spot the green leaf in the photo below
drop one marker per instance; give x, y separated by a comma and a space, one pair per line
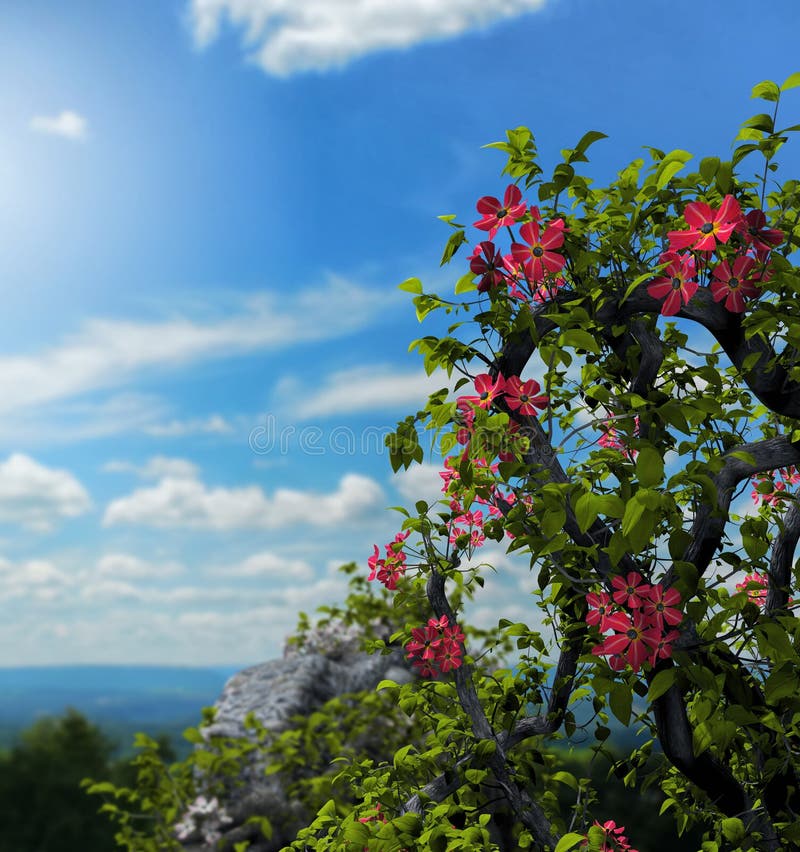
649, 467
569, 841
766, 90
702, 738
762, 122
661, 683
670, 166
733, 829
585, 511
588, 138
465, 284
485, 749
579, 339
102, 787
411, 285
708, 168
782, 683
791, 82
634, 509
621, 701
566, 778
456, 240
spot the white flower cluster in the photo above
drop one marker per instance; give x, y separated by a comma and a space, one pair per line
203, 815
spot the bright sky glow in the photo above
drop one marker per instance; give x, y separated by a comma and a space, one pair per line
207, 206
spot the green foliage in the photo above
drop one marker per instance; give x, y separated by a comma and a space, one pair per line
653, 411
42, 805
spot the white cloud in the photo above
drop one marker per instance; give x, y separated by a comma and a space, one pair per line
213, 425
36, 497
268, 564
125, 566
177, 502
362, 389
419, 482
107, 353
67, 124
287, 36
31, 579
156, 467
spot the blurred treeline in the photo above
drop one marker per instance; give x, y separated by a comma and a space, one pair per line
43, 808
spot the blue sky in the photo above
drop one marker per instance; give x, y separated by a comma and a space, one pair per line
206, 208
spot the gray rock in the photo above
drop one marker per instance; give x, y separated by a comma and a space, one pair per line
299, 683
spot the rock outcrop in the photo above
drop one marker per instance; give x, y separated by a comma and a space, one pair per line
323, 667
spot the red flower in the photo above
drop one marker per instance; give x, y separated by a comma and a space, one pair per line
547, 290
425, 668
537, 257
660, 606
757, 595
497, 215
707, 226
630, 590
524, 396
449, 657
770, 491
663, 648
753, 228
635, 643
487, 390
452, 633
390, 569
424, 642
491, 266
734, 286
436, 647
678, 282
601, 610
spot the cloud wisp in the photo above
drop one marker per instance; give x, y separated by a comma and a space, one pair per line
107, 353
67, 124
373, 388
285, 38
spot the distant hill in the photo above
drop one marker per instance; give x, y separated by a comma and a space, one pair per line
121, 699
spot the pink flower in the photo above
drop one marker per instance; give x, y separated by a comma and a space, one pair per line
496, 215
631, 590
759, 595
635, 642
660, 604
487, 390
734, 286
544, 292
491, 266
610, 439
391, 568
663, 648
436, 647
537, 257
613, 840
466, 420
678, 282
601, 609
449, 657
753, 228
707, 226
772, 491
424, 642
524, 397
